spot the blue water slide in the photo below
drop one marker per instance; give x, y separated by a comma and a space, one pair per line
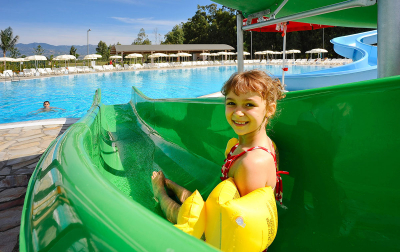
358, 47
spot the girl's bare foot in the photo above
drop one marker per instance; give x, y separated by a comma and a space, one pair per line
158, 182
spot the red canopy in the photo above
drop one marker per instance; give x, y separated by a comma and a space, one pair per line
291, 26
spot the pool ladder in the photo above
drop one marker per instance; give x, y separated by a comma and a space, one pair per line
13, 77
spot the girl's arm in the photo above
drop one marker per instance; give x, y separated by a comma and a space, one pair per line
256, 170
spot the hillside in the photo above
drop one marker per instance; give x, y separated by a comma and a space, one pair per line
28, 49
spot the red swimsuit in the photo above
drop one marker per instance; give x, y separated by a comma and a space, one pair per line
232, 158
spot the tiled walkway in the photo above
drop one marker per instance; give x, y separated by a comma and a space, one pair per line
21, 146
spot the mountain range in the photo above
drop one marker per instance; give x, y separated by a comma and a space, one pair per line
28, 49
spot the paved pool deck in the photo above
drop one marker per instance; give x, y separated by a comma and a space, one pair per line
21, 146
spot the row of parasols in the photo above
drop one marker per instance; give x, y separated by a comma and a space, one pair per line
316, 50
35, 58
66, 57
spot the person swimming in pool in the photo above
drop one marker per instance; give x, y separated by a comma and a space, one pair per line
47, 108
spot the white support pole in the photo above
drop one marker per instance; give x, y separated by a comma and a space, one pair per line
284, 56
388, 38
239, 25
251, 44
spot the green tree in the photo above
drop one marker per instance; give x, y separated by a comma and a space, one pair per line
211, 25
196, 30
175, 36
103, 50
8, 41
142, 38
222, 25
72, 51
50, 58
38, 50
15, 53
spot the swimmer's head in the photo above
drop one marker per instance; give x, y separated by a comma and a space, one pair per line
46, 104
269, 89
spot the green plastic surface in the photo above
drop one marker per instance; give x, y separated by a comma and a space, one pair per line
362, 17
91, 191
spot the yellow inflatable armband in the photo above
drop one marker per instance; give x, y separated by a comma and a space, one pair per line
192, 215
232, 142
237, 223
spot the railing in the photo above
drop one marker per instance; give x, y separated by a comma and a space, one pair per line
15, 76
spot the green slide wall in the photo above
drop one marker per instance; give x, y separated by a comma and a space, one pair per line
92, 188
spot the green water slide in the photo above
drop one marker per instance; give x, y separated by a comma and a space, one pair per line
91, 190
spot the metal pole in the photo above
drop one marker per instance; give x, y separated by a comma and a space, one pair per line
239, 25
251, 43
388, 40
323, 39
88, 41
284, 56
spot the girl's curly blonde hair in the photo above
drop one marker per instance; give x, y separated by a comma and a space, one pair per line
270, 89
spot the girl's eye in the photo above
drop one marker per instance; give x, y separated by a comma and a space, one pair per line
230, 103
249, 105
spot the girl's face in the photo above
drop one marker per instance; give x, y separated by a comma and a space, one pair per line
245, 113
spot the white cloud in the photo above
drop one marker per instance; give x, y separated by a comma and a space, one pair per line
77, 35
135, 2
148, 21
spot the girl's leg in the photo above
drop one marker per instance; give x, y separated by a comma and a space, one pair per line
168, 205
181, 192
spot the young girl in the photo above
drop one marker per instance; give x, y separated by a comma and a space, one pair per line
250, 101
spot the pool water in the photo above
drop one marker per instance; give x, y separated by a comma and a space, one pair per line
19, 101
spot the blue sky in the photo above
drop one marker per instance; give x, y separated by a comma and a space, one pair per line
66, 22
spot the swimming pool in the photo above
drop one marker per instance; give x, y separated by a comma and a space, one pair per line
18, 100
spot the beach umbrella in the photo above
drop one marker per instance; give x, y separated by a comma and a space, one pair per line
89, 57
172, 55
310, 53
65, 57
205, 54
182, 54
92, 57
268, 52
19, 60
214, 54
4, 59
222, 53
188, 55
97, 56
155, 55
259, 53
35, 58
134, 56
163, 55
319, 51
245, 54
293, 51
284, 27
229, 54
